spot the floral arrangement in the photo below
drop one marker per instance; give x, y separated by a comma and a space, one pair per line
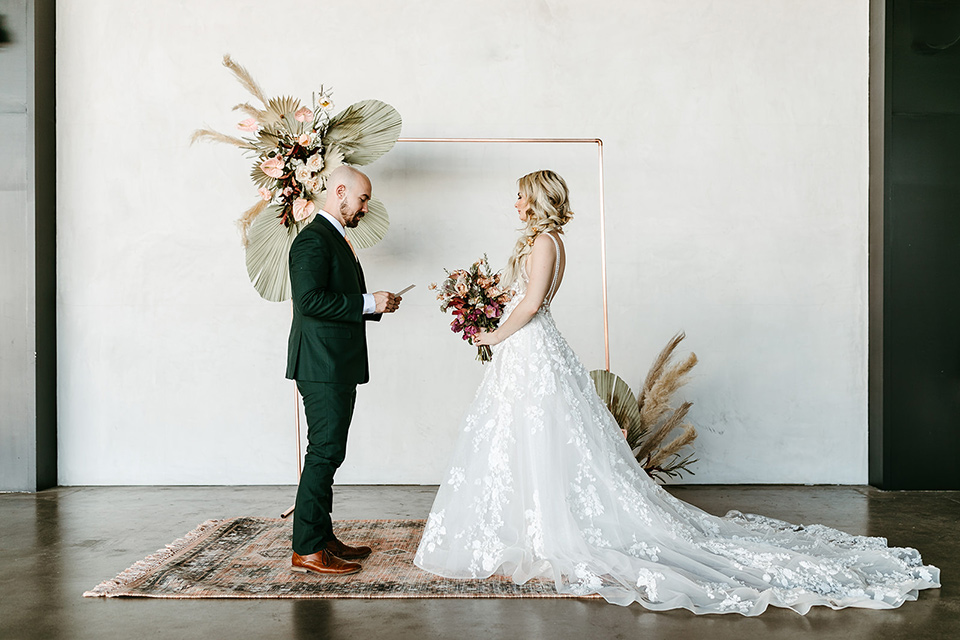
654, 429
295, 148
292, 170
477, 301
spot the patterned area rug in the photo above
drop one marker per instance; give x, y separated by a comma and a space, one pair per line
250, 558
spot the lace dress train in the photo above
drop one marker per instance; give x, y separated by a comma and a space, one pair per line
543, 484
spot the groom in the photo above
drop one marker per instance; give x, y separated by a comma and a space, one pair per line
327, 356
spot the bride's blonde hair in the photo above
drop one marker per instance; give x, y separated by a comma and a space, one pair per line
549, 202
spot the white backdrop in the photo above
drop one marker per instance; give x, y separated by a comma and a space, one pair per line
736, 184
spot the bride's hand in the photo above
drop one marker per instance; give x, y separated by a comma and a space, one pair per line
485, 338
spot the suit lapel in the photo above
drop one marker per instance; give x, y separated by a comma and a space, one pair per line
345, 251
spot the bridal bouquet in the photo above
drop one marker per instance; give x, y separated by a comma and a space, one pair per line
477, 301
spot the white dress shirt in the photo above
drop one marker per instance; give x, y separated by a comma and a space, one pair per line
369, 304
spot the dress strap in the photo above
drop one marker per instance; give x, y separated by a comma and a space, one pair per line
556, 270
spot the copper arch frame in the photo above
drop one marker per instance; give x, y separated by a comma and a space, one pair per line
603, 249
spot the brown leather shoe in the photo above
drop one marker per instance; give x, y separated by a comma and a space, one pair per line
347, 552
324, 563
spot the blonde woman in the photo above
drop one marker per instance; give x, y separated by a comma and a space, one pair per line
543, 484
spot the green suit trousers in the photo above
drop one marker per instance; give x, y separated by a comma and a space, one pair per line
329, 408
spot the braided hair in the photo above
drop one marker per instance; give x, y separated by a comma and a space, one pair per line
549, 201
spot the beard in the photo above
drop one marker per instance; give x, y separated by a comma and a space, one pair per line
350, 218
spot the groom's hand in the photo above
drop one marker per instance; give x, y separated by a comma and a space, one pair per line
386, 301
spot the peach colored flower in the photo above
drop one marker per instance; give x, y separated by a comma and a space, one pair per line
462, 288
303, 114
287, 191
304, 139
265, 193
273, 167
302, 208
250, 124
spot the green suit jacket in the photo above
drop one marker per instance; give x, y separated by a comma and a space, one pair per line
328, 341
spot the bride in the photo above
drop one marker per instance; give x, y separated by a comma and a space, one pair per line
543, 483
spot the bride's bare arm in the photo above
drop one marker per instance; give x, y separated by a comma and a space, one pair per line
542, 260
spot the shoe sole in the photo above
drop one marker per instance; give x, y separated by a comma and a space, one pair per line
325, 573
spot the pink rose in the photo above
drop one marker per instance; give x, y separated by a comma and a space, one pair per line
265, 193
302, 208
304, 139
287, 191
303, 114
250, 124
273, 167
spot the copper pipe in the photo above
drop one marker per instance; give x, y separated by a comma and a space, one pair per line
603, 234
558, 140
603, 258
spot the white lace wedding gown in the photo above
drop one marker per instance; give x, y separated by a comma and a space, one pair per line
542, 483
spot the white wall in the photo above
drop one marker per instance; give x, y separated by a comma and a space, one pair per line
736, 184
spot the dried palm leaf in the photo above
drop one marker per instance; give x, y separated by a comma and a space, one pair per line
259, 178
618, 397
245, 78
268, 250
279, 107
373, 226
364, 131
266, 141
210, 135
332, 158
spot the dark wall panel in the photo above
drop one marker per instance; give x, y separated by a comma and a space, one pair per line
921, 248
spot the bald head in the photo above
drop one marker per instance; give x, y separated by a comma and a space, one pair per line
348, 192
346, 176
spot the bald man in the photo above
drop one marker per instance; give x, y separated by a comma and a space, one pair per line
327, 356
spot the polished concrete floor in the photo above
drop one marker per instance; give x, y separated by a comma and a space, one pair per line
56, 544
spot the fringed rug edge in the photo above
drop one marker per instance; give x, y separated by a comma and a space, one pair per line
123, 580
